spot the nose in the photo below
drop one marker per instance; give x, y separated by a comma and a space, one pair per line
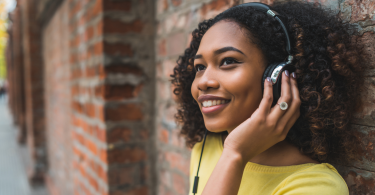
208, 80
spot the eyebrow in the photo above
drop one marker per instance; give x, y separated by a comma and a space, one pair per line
222, 50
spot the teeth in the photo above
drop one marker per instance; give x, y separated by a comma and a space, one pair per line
209, 103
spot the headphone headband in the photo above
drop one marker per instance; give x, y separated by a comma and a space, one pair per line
266, 9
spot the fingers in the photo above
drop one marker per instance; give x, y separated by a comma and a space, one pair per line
286, 96
266, 103
292, 115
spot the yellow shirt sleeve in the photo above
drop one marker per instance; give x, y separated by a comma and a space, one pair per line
321, 180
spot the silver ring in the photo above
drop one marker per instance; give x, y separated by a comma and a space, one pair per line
283, 105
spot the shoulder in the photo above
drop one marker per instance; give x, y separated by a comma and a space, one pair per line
319, 179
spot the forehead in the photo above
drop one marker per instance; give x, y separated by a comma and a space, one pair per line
223, 34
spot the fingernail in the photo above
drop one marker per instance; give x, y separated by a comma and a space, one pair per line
294, 75
269, 79
286, 73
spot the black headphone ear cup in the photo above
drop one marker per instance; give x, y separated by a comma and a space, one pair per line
268, 73
277, 86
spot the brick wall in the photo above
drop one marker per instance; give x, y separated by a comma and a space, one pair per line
99, 97
34, 89
58, 111
109, 107
16, 72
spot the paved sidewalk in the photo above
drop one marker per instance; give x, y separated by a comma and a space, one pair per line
13, 179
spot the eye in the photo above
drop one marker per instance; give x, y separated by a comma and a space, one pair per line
199, 67
227, 61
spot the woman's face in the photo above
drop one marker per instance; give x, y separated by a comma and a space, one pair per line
227, 85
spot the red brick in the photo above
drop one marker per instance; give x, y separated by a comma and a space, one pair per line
144, 135
91, 146
159, 70
118, 49
101, 173
83, 188
89, 33
89, 110
214, 6
162, 6
79, 154
74, 90
114, 26
164, 190
168, 67
178, 183
94, 71
177, 139
176, 2
77, 107
368, 39
122, 176
124, 69
176, 161
365, 113
76, 8
127, 155
80, 139
97, 48
117, 5
103, 155
119, 134
162, 48
362, 9
359, 181
164, 136
101, 113
99, 28
76, 73
93, 182
94, 10
136, 191
118, 92
176, 44
100, 134
131, 112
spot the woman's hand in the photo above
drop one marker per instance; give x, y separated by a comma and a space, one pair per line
267, 125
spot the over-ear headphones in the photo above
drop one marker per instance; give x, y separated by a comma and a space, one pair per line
274, 71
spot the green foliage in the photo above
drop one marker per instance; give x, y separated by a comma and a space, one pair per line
3, 38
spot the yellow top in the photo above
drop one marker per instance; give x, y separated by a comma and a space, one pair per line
309, 178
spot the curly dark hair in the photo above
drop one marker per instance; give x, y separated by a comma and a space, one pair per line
328, 60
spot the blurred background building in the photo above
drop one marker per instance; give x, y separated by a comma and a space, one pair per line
90, 94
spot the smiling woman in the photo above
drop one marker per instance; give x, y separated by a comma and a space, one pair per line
253, 147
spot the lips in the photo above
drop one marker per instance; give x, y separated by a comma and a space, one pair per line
202, 98
212, 104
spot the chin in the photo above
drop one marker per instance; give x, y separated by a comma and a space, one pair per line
215, 127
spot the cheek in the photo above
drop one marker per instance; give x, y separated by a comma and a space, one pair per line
247, 94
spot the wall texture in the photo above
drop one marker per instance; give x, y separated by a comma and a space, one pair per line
105, 122
58, 111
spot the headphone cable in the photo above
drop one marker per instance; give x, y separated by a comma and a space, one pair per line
195, 187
